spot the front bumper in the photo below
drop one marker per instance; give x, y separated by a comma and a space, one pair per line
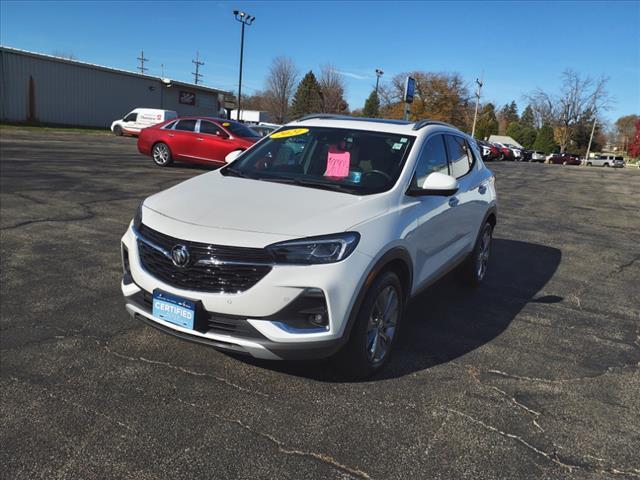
256, 309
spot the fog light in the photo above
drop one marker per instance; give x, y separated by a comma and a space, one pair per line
318, 319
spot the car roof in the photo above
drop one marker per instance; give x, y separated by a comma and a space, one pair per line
401, 127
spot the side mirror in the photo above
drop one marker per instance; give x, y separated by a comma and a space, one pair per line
232, 156
438, 184
221, 134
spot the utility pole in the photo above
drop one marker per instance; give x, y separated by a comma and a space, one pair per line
475, 115
142, 68
244, 19
379, 73
593, 129
197, 75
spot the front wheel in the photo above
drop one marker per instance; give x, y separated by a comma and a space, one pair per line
376, 328
161, 154
117, 130
606, 165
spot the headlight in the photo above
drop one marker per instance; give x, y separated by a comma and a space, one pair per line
315, 250
137, 220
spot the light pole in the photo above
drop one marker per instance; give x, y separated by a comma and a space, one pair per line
244, 19
379, 73
475, 115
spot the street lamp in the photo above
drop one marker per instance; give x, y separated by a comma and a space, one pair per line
244, 19
379, 73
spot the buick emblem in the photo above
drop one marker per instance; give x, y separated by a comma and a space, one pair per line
180, 255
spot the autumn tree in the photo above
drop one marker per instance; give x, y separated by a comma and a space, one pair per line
634, 147
565, 109
625, 129
333, 88
280, 83
438, 96
487, 123
308, 97
371, 106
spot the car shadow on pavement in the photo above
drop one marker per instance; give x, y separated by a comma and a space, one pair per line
449, 320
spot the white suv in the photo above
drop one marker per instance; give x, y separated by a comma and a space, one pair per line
313, 240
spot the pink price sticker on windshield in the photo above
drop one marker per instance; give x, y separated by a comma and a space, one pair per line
337, 163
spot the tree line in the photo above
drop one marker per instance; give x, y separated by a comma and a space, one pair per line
561, 120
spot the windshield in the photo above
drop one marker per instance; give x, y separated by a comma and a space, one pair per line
351, 161
240, 130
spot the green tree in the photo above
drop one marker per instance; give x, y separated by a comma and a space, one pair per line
528, 118
522, 134
487, 123
371, 106
308, 97
545, 141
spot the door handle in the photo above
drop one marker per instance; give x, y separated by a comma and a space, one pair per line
453, 201
199, 139
171, 135
482, 189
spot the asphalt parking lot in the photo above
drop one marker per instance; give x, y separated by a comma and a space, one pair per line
534, 375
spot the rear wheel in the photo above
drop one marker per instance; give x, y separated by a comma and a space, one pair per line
475, 268
117, 130
161, 154
376, 328
589, 164
606, 164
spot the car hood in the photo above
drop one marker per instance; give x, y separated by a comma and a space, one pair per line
224, 202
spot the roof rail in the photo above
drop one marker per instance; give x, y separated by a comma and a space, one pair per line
423, 123
332, 116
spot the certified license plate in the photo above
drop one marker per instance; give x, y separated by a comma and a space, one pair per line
173, 309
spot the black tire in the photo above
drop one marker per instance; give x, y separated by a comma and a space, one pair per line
360, 358
117, 131
589, 164
606, 165
161, 154
472, 271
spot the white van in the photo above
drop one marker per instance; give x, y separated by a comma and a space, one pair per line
140, 118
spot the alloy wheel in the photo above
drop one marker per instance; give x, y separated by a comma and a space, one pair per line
382, 326
160, 154
482, 258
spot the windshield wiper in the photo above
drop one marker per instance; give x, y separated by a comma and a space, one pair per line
234, 172
324, 185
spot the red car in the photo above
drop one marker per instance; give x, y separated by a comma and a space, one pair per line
200, 140
565, 159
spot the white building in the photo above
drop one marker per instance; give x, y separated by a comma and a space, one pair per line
505, 140
39, 88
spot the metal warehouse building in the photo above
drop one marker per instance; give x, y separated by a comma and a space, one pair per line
46, 89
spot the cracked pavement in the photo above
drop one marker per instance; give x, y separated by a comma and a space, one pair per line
534, 375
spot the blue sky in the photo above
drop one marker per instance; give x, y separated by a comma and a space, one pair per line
517, 46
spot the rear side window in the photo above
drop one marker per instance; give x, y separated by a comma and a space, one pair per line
460, 157
209, 127
186, 125
169, 126
433, 158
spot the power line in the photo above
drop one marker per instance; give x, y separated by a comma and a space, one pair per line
142, 68
197, 75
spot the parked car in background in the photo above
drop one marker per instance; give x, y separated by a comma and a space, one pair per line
200, 140
263, 130
565, 159
285, 255
517, 152
139, 118
536, 156
507, 153
606, 161
488, 151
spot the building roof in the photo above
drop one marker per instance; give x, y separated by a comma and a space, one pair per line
504, 139
44, 56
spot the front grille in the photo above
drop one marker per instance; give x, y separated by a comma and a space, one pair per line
214, 278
